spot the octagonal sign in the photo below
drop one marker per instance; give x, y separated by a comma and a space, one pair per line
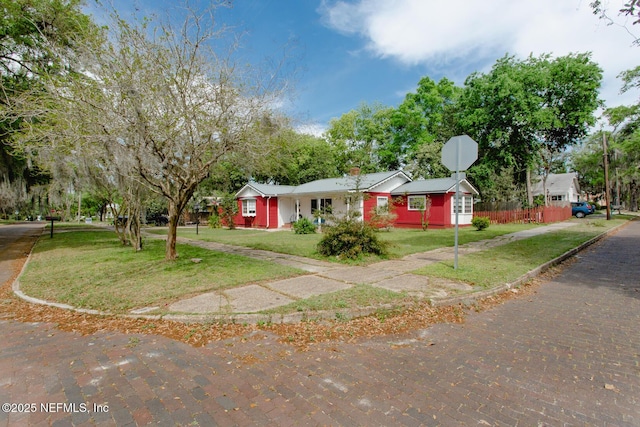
459, 153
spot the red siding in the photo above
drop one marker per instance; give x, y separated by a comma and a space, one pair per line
440, 205
371, 202
260, 220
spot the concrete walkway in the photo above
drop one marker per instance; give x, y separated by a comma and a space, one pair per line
325, 277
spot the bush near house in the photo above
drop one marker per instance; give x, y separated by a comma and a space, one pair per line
480, 222
351, 239
304, 226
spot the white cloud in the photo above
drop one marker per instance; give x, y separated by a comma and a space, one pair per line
436, 33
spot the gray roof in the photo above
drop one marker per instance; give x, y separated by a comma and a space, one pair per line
338, 185
557, 183
368, 182
269, 189
438, 185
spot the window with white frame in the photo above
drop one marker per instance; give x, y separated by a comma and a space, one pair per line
556, 198
417, 203
465, 203
249, 207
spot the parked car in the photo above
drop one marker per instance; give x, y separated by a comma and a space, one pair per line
581, 209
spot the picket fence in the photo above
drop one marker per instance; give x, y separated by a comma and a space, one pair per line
541, 214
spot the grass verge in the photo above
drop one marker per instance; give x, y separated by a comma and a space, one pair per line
91, 269
504, 264
357, 296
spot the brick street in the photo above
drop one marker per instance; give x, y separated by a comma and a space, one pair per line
567, 355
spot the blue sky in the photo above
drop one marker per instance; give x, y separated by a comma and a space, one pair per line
353, 51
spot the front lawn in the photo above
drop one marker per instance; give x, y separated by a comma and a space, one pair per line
91, 269
403, 241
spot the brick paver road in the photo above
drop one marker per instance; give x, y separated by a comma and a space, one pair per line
566, 355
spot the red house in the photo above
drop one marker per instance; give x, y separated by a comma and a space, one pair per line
277, 206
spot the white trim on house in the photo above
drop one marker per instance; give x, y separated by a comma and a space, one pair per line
416, 207
249, 207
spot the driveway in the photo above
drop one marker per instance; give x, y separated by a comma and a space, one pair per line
568, 354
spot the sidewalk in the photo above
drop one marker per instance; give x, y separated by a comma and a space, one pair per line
243, 302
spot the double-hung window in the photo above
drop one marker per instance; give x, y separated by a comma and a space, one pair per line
417, 203
249, 207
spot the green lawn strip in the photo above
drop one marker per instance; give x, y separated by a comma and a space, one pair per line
91, 269
403, 241
354, 297
504, 264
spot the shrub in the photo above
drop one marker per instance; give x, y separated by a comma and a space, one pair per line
351, 239
304, 226
480, 222
214, 221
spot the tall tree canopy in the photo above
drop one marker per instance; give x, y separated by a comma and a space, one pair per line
358, 135
524, 110
421, 124
37, 38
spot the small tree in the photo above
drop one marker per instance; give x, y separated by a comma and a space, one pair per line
228, 210
383, 217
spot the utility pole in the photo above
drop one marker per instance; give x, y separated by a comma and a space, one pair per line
606, 175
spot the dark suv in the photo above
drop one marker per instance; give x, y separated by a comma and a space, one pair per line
581, 209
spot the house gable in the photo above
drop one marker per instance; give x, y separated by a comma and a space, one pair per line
560, 186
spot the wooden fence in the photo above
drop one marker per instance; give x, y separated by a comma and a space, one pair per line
541, 214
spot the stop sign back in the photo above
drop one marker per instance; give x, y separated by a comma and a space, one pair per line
459, 153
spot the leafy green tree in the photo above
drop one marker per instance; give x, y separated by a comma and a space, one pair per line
421, 124
358, 135
625, 153
292, 158
521, 110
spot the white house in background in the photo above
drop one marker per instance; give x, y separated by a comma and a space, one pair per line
561, 187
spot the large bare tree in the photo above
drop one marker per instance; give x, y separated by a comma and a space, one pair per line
167, 102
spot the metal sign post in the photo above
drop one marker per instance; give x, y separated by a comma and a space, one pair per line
458, 154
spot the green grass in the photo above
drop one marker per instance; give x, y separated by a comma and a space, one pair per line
403, 241
357, 296
91, 269
504, 264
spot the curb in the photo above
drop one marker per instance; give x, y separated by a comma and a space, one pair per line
255, 318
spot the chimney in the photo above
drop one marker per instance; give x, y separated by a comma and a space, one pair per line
354, 171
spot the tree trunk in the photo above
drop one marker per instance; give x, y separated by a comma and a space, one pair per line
634, 191
133, 227
529, 191
174, 217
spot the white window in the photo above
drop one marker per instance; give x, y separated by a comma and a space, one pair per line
417, 203
556, 198
383, 201
465, 203
468, 204
249, 207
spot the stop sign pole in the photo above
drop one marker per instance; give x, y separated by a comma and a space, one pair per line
458, 154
